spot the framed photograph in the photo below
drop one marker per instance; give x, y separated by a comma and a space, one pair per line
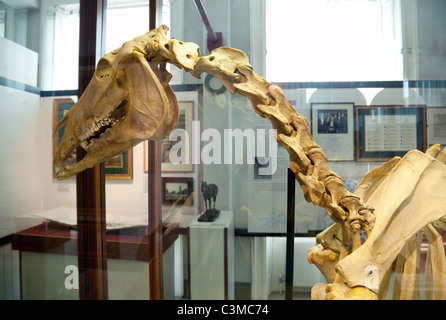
177, 190
333, 129
384, 132
436, 126
119, 167
176, 154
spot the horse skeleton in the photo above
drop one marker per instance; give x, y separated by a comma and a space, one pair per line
129, 100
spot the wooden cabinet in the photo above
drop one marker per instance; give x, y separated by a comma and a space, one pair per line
46, 250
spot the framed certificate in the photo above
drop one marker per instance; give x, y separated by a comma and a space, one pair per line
333, 129
384, 132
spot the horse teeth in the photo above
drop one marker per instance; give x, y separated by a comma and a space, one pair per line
84, 145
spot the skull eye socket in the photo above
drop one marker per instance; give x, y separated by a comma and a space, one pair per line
104, 69
121, 81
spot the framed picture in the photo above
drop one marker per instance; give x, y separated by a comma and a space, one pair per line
177, 190
176, 155
333, 129
60, 108
436, 125
384, 132
119, 167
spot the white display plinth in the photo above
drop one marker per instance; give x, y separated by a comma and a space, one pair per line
211, 258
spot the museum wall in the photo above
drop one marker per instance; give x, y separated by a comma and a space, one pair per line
21, 162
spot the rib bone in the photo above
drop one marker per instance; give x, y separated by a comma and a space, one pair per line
403, 211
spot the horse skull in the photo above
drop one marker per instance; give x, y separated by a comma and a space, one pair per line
128, 100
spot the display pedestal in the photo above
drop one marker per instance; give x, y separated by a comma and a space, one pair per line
211, 258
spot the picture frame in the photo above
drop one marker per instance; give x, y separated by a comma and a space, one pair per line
60, 108
176, 190
436, 128
332, 126
186, 116
119, 167
386, 131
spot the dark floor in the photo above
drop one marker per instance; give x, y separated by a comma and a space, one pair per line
297, 295
243, 292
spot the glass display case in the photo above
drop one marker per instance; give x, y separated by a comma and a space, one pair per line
203, 202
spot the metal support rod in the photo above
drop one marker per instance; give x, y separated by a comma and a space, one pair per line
207, 23
289, 279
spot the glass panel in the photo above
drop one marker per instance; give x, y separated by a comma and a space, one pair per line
233, 149
126, 183
37, 212
361, 73
125, 20
362, 43
2, 22
345, 63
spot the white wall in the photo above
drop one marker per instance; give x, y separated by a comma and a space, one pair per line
21, 160
18, 63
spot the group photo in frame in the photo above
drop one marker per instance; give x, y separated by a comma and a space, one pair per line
186, 116
332, 126
384, 131
119, 167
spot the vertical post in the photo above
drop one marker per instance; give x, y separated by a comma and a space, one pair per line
289, 279
155, 208
90, 184
155, 221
